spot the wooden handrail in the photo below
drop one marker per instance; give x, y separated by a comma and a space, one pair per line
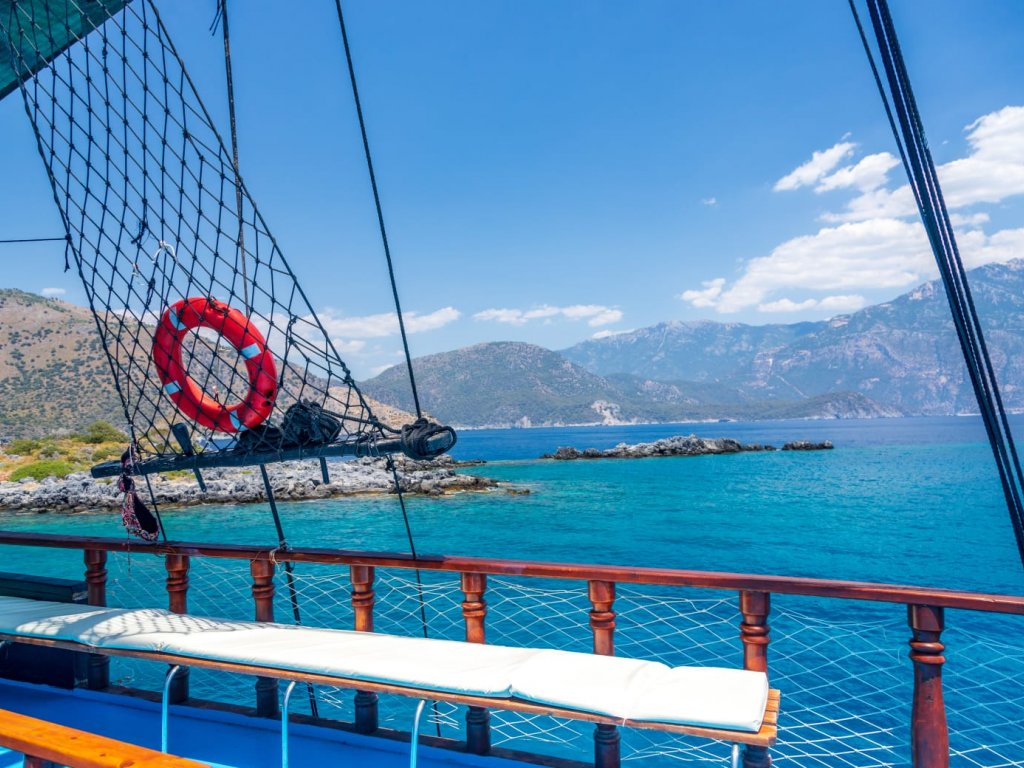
59, 744
787, 585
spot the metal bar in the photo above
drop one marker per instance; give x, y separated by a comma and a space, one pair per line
165, 705
284, 723
414, 739
212, 459
735, 756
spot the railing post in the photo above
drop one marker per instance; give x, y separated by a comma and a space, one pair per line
929, 733
98, 674
474, 612
177, 598
362, 604
754, 632
607, 750
263, 597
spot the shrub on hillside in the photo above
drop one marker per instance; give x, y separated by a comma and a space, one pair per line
102, 432
102, 454
39, 470
22, 446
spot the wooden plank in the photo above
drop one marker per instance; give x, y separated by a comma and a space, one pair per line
764, 737
79, 749
790, 585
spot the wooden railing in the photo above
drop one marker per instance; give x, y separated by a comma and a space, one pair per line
46, 745
925, 607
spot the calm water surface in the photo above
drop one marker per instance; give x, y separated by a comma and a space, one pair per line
898, 500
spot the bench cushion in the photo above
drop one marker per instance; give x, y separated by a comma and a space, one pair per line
630, 689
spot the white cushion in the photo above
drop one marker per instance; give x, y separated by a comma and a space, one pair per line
629, 689
56, 621
415, 662
711, 697
583, 681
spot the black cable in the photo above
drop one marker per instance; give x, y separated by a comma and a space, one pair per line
380, 212
34, 240
289, 572
419, 579
924, 181
222, 17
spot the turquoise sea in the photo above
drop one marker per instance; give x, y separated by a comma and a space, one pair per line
898, 500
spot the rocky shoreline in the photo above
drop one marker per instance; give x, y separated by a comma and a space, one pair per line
291, 481
680, 446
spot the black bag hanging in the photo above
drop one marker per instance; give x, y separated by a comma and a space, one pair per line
307, 423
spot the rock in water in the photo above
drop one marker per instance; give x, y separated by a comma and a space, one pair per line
679, 446
804, 445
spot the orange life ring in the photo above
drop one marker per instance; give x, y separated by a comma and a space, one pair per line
200, 312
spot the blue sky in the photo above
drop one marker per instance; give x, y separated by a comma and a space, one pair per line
555, 170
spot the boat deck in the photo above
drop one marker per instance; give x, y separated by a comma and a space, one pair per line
224, 739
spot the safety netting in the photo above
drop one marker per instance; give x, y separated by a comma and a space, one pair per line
213, 346
842, 665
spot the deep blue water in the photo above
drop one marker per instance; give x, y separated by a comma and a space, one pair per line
898, 500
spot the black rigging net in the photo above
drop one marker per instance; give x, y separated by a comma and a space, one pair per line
215, 350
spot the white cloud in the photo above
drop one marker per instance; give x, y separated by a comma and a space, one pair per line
847, 303
606, 333
992, 171
348, 347
829, 303
787, 305
51, 292
386, 324
881, 253
509, 316
709, 201
968, 220
707, 295
816, 168
869, 173
595, 314
977, 248
875, 240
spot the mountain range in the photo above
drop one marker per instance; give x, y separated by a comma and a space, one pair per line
891, 359
54, 375
896, 358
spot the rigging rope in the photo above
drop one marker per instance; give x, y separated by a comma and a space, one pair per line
222, 17
924, 181
380, 211
34, 240
289, 572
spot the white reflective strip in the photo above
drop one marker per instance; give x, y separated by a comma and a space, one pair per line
251, 351
175, 320
172, 388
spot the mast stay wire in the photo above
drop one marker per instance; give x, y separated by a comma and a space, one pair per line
380, 211
924, 181
401, 321
222, 18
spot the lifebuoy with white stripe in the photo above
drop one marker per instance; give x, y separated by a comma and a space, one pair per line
201, 312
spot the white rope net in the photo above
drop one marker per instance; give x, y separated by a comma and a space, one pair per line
842, 666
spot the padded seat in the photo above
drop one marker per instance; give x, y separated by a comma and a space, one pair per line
627, 689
